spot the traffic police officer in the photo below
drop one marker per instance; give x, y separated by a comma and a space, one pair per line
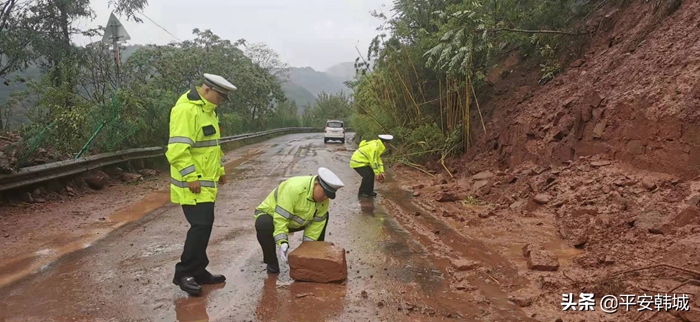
298, 203
368, 163
196, 170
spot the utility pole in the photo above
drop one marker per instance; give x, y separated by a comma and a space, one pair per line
114, 33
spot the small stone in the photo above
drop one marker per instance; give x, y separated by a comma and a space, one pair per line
689, 215
543, 198
463, 265
577, 63
7, 235
97, 180
694, 201
69, 189
598, 164
443, 196
648, 184
484, 175
146, 173
485, 215
364, 294
27, 197
131, 177
416, 194
542, 260
304, 295
528, 248
40, 200
464, 286
524, 297
447, 214
609, 260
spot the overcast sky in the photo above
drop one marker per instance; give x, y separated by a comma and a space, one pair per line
316, 33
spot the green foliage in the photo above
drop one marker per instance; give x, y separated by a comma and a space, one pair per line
152, 79
328, 107
422, 83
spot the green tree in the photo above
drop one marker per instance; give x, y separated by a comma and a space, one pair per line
425, 76
328, 107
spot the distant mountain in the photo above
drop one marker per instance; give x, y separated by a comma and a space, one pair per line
299, 95
314, 81
342, 72
303, 86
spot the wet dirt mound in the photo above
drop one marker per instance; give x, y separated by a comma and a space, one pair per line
633, 95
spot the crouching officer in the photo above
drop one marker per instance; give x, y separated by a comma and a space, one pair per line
367, 162
196, 171
298, 203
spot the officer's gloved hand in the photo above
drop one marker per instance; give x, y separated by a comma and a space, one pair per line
284, 248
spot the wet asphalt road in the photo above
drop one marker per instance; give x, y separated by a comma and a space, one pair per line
127, 275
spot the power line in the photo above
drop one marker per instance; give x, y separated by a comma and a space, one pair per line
159, 26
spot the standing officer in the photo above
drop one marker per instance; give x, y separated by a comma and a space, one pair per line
298, 203
367, 162
194, 155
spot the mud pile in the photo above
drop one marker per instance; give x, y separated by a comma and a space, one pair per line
632, 95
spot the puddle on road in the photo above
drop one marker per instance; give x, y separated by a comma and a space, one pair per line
194, 309
14, 269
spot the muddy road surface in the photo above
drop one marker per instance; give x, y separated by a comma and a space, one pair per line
119, 266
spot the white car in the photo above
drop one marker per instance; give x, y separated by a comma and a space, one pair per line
334, 130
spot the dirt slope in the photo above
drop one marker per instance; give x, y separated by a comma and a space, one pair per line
603, 159
633, 95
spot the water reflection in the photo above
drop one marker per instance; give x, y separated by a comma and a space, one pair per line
194, 309
300, 301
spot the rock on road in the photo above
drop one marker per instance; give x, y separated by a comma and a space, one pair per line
126, 273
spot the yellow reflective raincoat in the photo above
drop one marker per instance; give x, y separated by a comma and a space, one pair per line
292, 206
369, 154
193, 149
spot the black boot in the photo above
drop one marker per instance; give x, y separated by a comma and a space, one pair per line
273, 269
189, 285
210, 279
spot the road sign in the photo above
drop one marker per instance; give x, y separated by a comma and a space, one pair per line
115, 31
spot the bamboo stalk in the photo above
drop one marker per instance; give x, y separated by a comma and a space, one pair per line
442, 125
476, 100
415, 72
408, 92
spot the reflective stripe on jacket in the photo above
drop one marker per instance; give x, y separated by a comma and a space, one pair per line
369, 154
193, 149
292, 205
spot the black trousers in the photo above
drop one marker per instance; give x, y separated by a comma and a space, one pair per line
264, 227
367, 185
194, 261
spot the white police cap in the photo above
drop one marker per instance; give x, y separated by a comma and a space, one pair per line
329, 181
219, 84
386, 137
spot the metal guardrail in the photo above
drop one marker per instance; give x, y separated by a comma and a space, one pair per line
45, 172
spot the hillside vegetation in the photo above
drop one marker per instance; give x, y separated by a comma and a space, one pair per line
62, 101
